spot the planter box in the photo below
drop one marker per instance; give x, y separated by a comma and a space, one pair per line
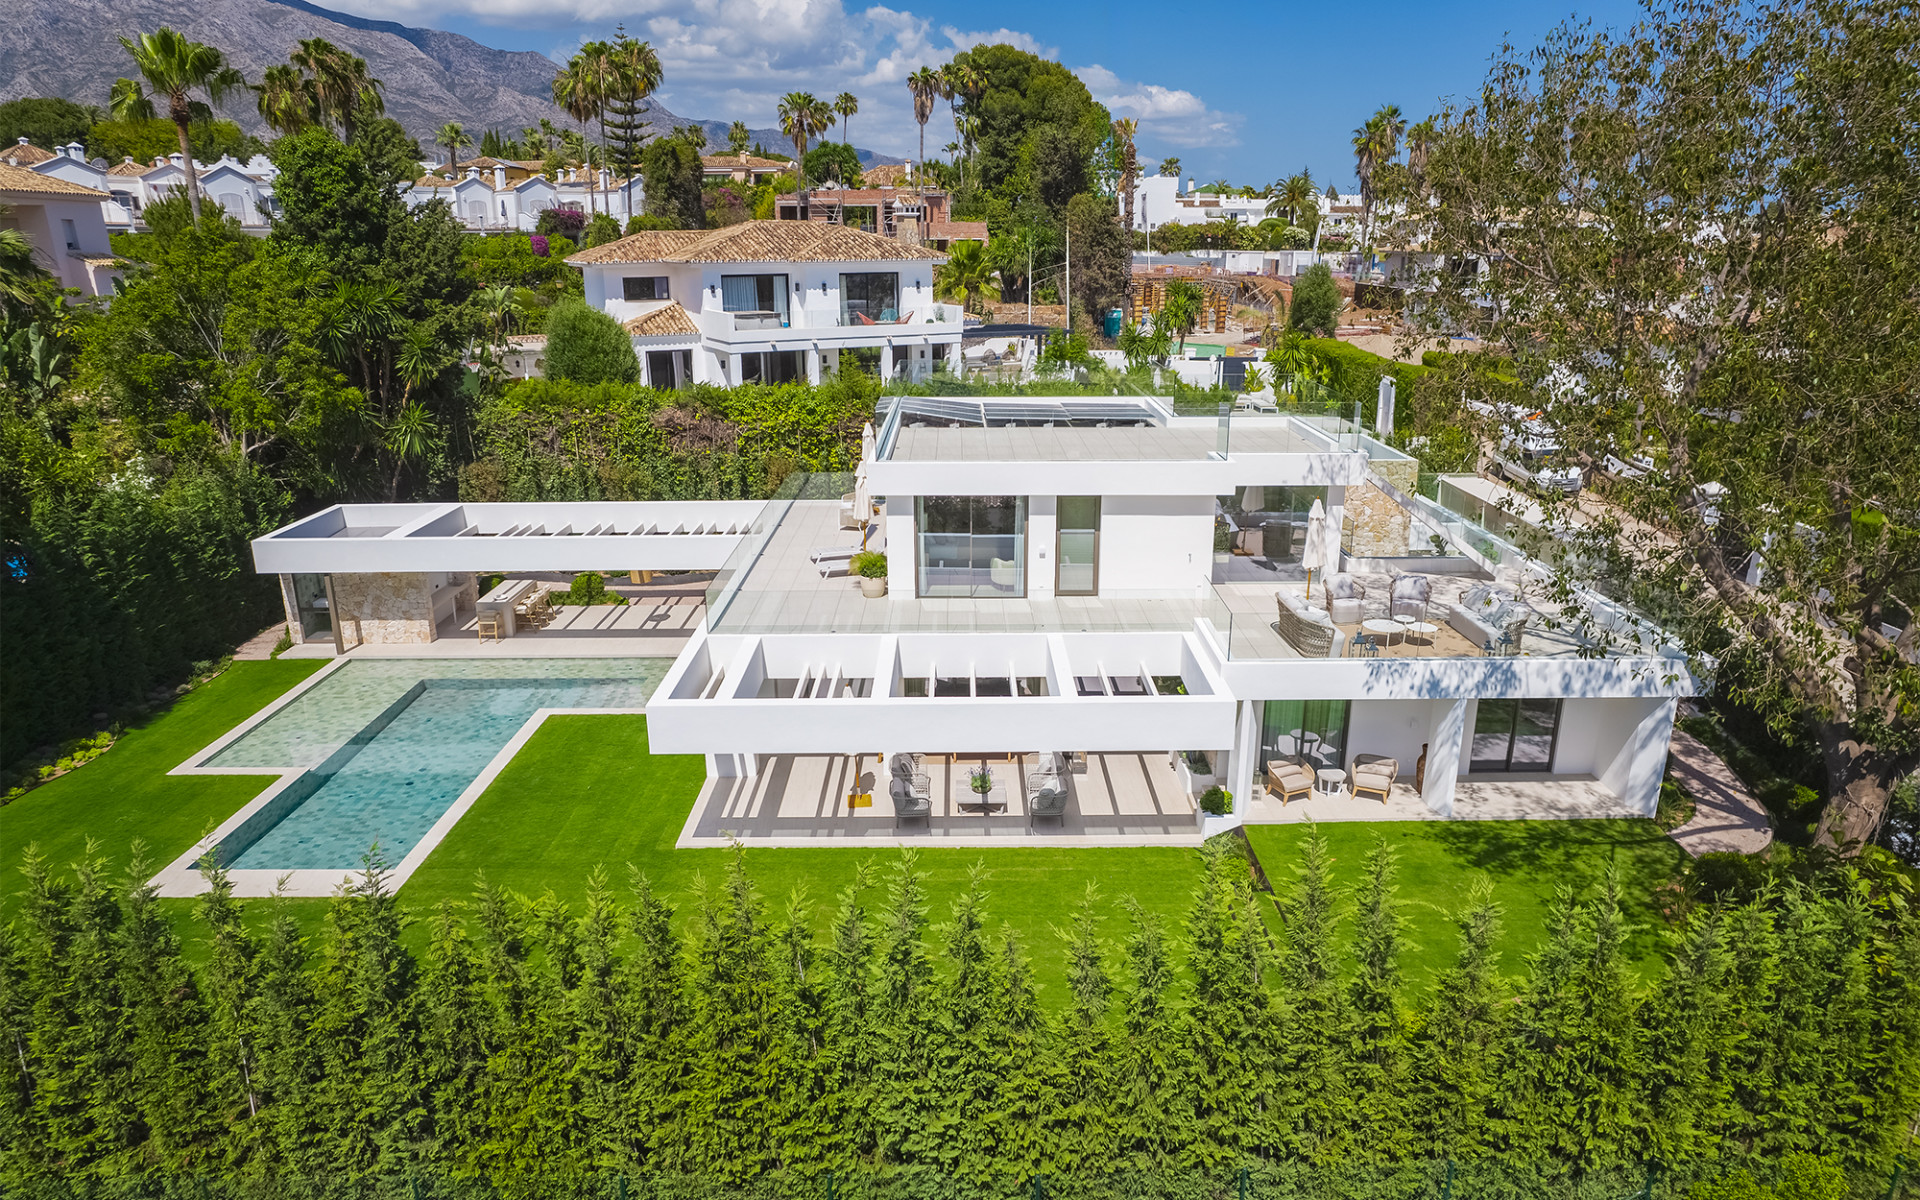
873, 589
1209, 825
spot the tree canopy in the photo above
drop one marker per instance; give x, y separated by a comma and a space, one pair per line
1715, 302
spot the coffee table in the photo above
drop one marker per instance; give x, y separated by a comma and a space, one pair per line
1329, 781
1386, 629
973, 802
1413, 625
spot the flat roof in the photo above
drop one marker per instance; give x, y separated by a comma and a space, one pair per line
1151, 443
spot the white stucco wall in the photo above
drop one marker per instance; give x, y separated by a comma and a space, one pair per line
1155, 543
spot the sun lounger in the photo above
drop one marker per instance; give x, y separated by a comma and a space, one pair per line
832, 559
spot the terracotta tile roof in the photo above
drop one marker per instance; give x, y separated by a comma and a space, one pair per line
101, 260
957, 231
756, 241
127, 166
19, 179
24, 155
669, 320
738, 162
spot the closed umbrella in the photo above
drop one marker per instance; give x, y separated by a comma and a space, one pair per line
867, 443
862, 504
1316, 551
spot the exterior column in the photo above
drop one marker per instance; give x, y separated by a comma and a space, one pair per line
886, 362
813, 365
1446, 737
1246, 748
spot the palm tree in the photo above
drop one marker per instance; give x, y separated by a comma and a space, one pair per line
963, 82
1181, 309
341, 85
285, 99
175, 70
453, 137
802, 118
1123, 131
739, 137
20, 275
1420, 141
965, 276
846, 105
924, 84
579, 90
1368, 142
1292, 195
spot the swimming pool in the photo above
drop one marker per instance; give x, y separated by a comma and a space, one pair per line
386, 746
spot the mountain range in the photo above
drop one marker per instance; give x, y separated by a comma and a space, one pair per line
71, 48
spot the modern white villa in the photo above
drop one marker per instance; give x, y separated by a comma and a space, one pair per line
772, 301
1094, 610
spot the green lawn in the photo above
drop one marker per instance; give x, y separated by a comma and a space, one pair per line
1527, 862
585, 791
126, 793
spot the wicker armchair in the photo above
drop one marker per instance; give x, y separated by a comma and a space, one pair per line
1346, 598
1289, 779
1312, 636
1372, 774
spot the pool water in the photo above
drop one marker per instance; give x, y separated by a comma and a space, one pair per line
387, 746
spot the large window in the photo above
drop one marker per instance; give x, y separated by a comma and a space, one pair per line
644, 287
310, 603
972, 545
763, 294
869, 298
1514, 735
1077, 554
1314, 731
1262, 529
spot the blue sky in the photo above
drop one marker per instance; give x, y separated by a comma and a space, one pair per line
1249, 92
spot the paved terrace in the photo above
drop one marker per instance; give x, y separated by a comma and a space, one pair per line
801, 800
783, 592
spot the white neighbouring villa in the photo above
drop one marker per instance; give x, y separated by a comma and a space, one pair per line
772, 301
1105, 604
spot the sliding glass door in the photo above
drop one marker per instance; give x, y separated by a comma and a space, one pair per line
1314, 731
1077, 548
1514, 735
972, 545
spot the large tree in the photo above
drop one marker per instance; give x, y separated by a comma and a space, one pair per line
1701, 256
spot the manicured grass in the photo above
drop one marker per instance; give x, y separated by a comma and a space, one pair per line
1526, 861
126, 793
585, 792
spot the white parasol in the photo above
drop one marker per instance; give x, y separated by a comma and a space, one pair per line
1316, 551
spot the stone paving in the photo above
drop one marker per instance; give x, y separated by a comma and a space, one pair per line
1726, 817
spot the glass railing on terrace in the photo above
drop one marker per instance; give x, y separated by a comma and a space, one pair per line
842, 609
798, 486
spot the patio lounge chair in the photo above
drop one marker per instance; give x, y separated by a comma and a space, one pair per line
1289, 779
1491, 616
908, 804
1047, 800
1346, 598
832, 560
1372, 774
1410, 596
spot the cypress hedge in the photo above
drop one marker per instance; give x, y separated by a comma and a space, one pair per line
112, 588
531, 1050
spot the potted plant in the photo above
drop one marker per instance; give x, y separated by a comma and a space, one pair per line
871, 567
981, 781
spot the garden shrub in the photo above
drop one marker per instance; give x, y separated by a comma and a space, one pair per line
869, 564
588, 588
585, 345
1216, 801
561, 222
1316, 301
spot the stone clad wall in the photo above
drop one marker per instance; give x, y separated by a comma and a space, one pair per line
1379, 525
383, 609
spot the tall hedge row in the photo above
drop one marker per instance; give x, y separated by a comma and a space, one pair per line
741, 1047
114, 586
558, 440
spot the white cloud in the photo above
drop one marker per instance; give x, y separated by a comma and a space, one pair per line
734, 59
1170, 117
